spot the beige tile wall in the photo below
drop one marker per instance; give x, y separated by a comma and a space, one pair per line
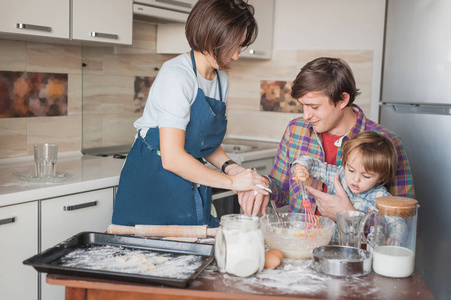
17, 135
100, 94
108, 79
244, 115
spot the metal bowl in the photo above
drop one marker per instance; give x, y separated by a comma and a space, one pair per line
342, 261
292, 238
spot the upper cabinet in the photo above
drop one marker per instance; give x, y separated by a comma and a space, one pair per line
171, 37
163, 11
47, 18
93, 21
106, 21
264, 14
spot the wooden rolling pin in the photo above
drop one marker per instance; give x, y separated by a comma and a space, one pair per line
197, 231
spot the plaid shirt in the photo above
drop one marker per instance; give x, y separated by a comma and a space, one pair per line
300, 139
325, 173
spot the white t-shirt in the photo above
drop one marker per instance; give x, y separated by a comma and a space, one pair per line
174, 91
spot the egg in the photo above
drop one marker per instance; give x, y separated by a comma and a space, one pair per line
271, 260
277, 252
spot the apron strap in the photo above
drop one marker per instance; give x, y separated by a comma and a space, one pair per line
193, 60
219, 85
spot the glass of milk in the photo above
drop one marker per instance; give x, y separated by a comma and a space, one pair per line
239, 245
392, 238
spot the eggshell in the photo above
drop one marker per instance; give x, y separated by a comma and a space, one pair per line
271, 260
277, 252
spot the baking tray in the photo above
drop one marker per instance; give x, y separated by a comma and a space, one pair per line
99, 255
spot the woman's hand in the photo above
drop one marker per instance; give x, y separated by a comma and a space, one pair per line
235, 169
329, 205
248, 180
250, 202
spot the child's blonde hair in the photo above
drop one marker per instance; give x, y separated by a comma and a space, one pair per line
378, 155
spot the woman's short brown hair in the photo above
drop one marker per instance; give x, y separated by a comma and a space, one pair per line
378, 155
216, 27
331, 76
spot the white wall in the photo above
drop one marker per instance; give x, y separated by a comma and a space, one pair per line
333, 25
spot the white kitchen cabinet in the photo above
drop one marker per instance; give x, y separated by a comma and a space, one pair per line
171, 36
264, 14
19, 241
171, 39
63, 217
96, 21
106, 21
45, 18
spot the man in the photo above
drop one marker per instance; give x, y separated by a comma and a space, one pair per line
326, 89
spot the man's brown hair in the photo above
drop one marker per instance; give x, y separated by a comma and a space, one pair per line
331, 76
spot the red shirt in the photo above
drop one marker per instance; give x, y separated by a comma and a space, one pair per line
330, 153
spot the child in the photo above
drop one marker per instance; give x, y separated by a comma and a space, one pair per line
369, 164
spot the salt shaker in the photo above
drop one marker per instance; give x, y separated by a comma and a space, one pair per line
240, 246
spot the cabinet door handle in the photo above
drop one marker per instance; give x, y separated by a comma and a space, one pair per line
33, 27
104, 35
253, 52
79, 206
8, 220
261, 168
174, 2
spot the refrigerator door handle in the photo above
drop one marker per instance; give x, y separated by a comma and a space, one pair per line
419, 109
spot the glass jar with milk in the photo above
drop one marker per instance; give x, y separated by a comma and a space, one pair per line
239, 246
392, 237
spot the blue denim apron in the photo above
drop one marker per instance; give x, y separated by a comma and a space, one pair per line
149, 194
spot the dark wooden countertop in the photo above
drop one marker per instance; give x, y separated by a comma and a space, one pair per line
294, 279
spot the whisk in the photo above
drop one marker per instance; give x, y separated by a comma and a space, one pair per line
311, 220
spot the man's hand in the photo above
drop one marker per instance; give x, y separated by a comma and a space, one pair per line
252, 203
329, 205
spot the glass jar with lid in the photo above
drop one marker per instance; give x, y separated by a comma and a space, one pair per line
239, 245
392, 237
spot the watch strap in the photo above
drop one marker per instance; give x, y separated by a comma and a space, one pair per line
226, 164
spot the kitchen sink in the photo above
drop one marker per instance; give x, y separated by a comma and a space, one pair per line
236, 148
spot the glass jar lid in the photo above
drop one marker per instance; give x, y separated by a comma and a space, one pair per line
239, 221
397, 206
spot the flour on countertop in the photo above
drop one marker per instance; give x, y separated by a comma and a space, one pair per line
112, 259
293, 276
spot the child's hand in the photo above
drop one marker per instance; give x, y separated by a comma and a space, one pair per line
300, 173
392, 242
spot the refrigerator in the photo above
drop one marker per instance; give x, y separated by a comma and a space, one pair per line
416, 104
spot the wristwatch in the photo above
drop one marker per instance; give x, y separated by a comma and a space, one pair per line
226, 164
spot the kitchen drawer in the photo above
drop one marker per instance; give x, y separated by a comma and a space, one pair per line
19, 241
263, 166
66, 216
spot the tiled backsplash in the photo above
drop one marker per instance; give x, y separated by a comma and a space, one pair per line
244, 114
17, 135
32, 94
100, 94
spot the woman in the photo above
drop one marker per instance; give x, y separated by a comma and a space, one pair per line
164, 179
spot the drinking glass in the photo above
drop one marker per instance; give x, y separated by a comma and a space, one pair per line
45, 156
